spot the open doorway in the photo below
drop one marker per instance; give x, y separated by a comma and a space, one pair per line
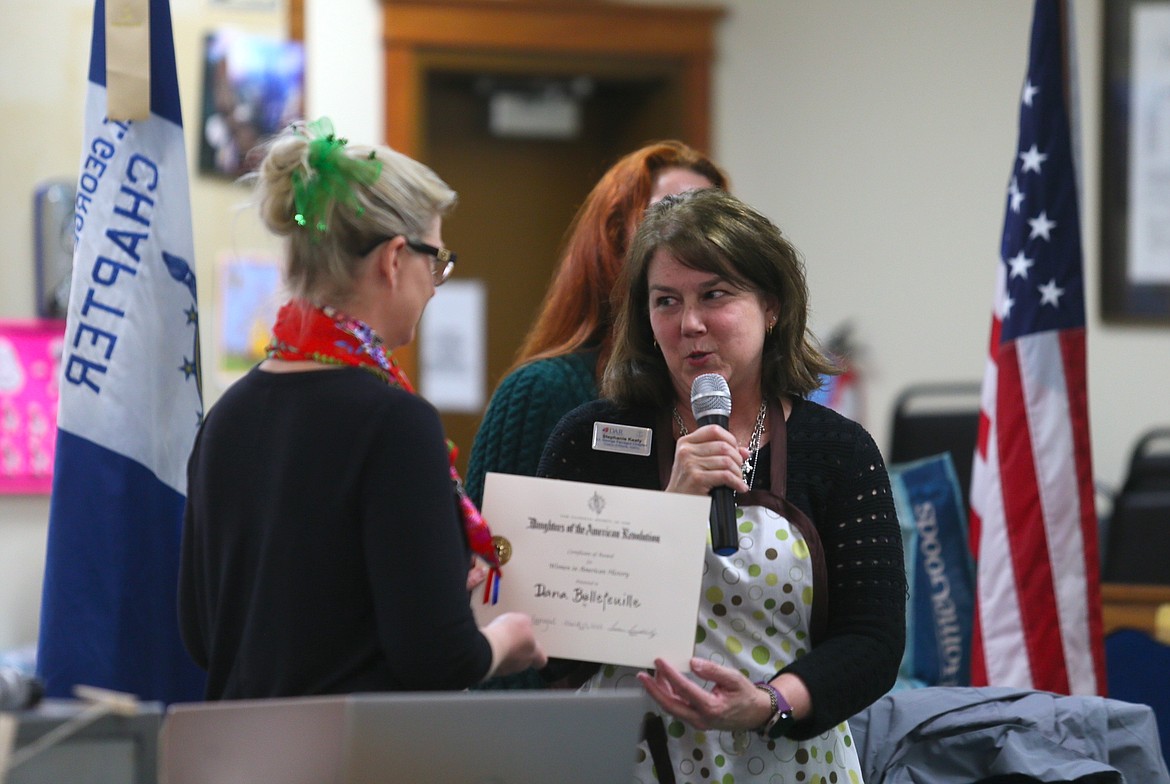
518, 194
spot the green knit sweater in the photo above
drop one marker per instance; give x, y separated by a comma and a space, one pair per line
522, 413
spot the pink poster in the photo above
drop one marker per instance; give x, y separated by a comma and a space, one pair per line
30, 358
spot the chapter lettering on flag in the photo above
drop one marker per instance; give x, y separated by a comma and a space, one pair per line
130, 400
1033, 519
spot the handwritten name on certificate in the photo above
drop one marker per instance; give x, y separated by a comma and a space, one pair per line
608, 574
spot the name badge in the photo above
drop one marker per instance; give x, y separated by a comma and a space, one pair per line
624, 439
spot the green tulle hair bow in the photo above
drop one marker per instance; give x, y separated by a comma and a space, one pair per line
331, 177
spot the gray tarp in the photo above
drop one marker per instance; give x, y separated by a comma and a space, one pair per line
938, 735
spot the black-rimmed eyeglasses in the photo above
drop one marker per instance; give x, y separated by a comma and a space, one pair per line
442, 259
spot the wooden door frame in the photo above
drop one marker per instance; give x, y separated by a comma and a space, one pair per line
420, 34
415, 30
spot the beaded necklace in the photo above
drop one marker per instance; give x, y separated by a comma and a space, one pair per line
749, 465
304, 331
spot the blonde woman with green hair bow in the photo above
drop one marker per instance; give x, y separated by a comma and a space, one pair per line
326, 536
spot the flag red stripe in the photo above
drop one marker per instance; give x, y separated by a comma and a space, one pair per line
1074, 352
978, 662
1028, 543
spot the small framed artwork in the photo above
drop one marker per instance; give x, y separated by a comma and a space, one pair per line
252, 87
1135, 163
249, 292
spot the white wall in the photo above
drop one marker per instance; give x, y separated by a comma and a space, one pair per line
344, 80
878, 134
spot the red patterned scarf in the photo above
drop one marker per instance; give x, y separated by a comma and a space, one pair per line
304, 331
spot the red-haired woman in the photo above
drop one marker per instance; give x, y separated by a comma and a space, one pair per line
557, 368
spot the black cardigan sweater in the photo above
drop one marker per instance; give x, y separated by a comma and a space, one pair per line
837, 477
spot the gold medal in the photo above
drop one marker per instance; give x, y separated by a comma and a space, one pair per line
503, 549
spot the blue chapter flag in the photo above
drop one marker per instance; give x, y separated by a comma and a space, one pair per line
130, 400
1033, 520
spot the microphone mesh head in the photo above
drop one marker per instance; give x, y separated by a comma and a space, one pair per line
710, 395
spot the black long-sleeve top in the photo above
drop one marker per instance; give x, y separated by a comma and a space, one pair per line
322, 548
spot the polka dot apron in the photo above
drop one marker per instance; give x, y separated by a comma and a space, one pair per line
757, 615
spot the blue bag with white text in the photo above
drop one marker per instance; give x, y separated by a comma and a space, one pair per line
939, 570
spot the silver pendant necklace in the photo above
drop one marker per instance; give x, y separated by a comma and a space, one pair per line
749, 465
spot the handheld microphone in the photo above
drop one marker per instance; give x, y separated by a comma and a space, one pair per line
711, 405
17, 690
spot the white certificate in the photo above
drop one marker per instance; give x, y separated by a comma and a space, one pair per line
608, 574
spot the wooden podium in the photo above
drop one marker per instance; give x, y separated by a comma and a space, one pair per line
1134, 606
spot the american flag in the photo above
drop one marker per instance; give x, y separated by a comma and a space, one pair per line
1033, 520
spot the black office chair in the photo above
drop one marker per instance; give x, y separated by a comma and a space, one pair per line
1137, 546
933, 418
1149, 464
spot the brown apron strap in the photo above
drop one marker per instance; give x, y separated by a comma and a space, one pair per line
779, 456
664, 447
654, 731
776, 499
653, 728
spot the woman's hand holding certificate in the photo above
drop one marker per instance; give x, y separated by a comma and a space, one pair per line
586, 564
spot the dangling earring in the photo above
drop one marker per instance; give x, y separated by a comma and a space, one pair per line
655, 342
771, 325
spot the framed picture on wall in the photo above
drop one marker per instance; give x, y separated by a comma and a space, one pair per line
1135, 163
252, 87
249, 295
